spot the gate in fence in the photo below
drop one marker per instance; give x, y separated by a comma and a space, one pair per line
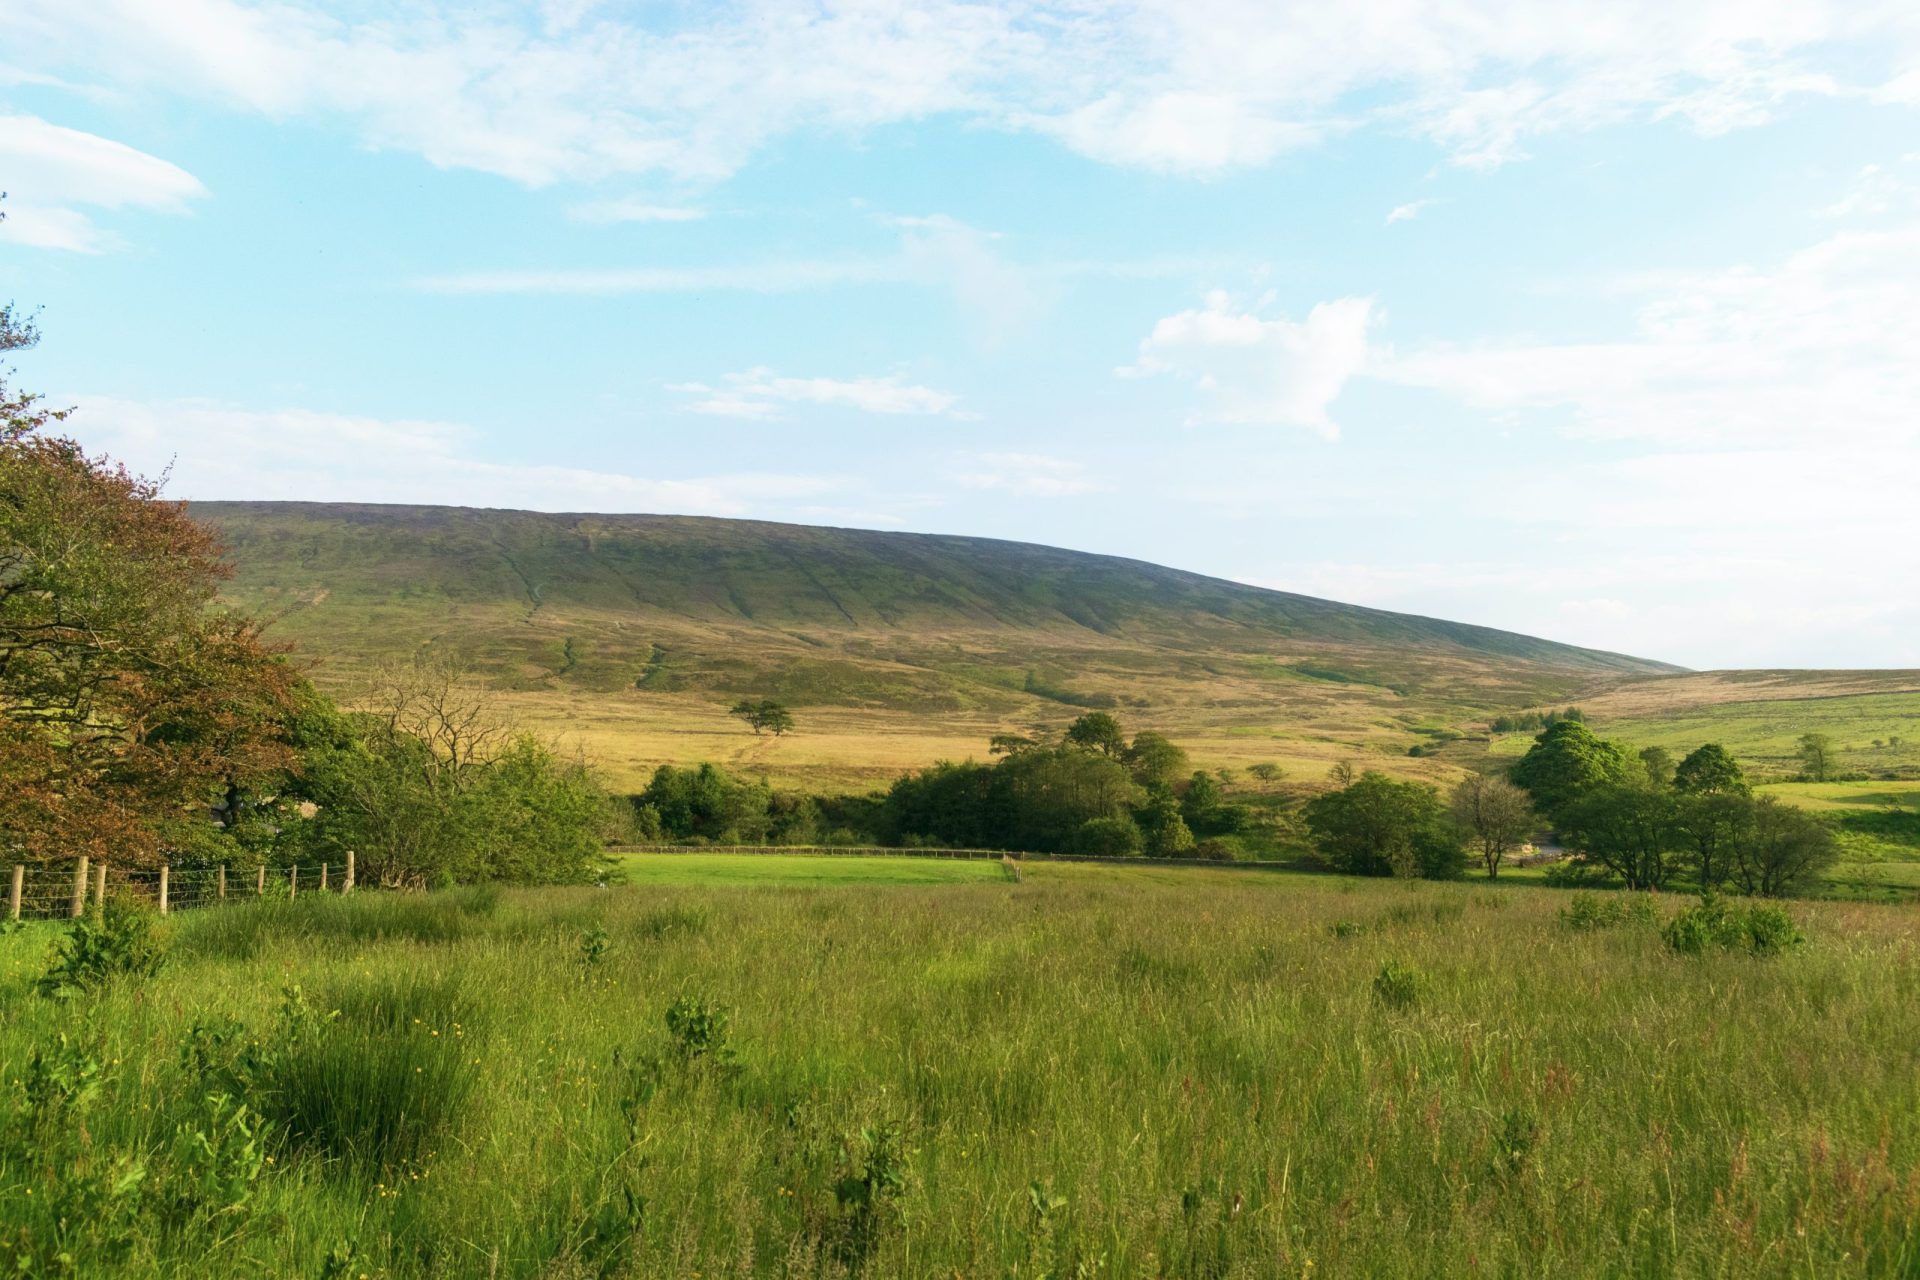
51, 891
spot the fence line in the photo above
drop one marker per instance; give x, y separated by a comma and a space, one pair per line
53, 891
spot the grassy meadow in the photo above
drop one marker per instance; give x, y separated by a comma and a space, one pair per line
1090, 1071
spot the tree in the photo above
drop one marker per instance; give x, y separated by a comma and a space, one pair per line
131, 703
1379, 826
1816, 756
1784, 852
431, 783
1657, 763
1007, 744
1201, 801
1495, 816
1713, 825
764, 716
1630, 830
1154, 760
1565, 762
1166, 832
1266, 771
1098, 731
1708, 770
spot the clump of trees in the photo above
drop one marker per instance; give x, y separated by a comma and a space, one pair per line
1376, 826
142, 720
764, 716
1653, 824
1527, 721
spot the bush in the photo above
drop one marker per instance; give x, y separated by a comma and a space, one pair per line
118, 940
380, 1076
1397, 985
1593, 911
1111, 837
1712, 924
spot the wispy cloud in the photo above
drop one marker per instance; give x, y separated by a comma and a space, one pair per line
762, 394
1412, 209
54, 175
1197, 88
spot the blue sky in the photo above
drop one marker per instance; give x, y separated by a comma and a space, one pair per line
1592, 321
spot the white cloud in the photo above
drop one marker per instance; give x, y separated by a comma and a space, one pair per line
602, 213
221, 451
1819, 346
1412, 209
52, 173
1025, 475
1251, 369
763, 394
582, 91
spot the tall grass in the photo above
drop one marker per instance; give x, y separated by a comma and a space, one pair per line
1084, 1073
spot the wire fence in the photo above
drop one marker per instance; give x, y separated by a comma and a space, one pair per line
62, 890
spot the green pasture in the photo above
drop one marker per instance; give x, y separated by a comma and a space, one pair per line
703, 869
1084, 1073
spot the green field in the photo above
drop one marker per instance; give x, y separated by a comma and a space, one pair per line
698, 869
1087, 1073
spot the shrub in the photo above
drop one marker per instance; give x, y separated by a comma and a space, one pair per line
1593, 911
1111, 837
699, 1032
1712, 924
1397, 985
377, 1079
118, 940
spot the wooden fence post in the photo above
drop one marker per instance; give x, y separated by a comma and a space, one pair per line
163, 888
260, 886
220, 884
293, 880
19, 886
80, 887
323, 877
346, 886
100, 886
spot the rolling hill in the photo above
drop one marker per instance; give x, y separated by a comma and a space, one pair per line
635, 632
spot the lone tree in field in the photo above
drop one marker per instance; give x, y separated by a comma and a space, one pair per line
1494, 815
765, 716
131, 704
1816, 756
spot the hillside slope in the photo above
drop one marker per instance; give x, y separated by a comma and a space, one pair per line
581, 615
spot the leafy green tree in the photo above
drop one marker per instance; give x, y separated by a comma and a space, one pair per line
1630, 830
1154, 760
1713, 826
1201, 801
1785, 851
1098, 731
1166, 831
1008, 744
1709, 769
1379, 826
1567, 761
1816, 757
1657, 764
1495, 816
1266, 771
